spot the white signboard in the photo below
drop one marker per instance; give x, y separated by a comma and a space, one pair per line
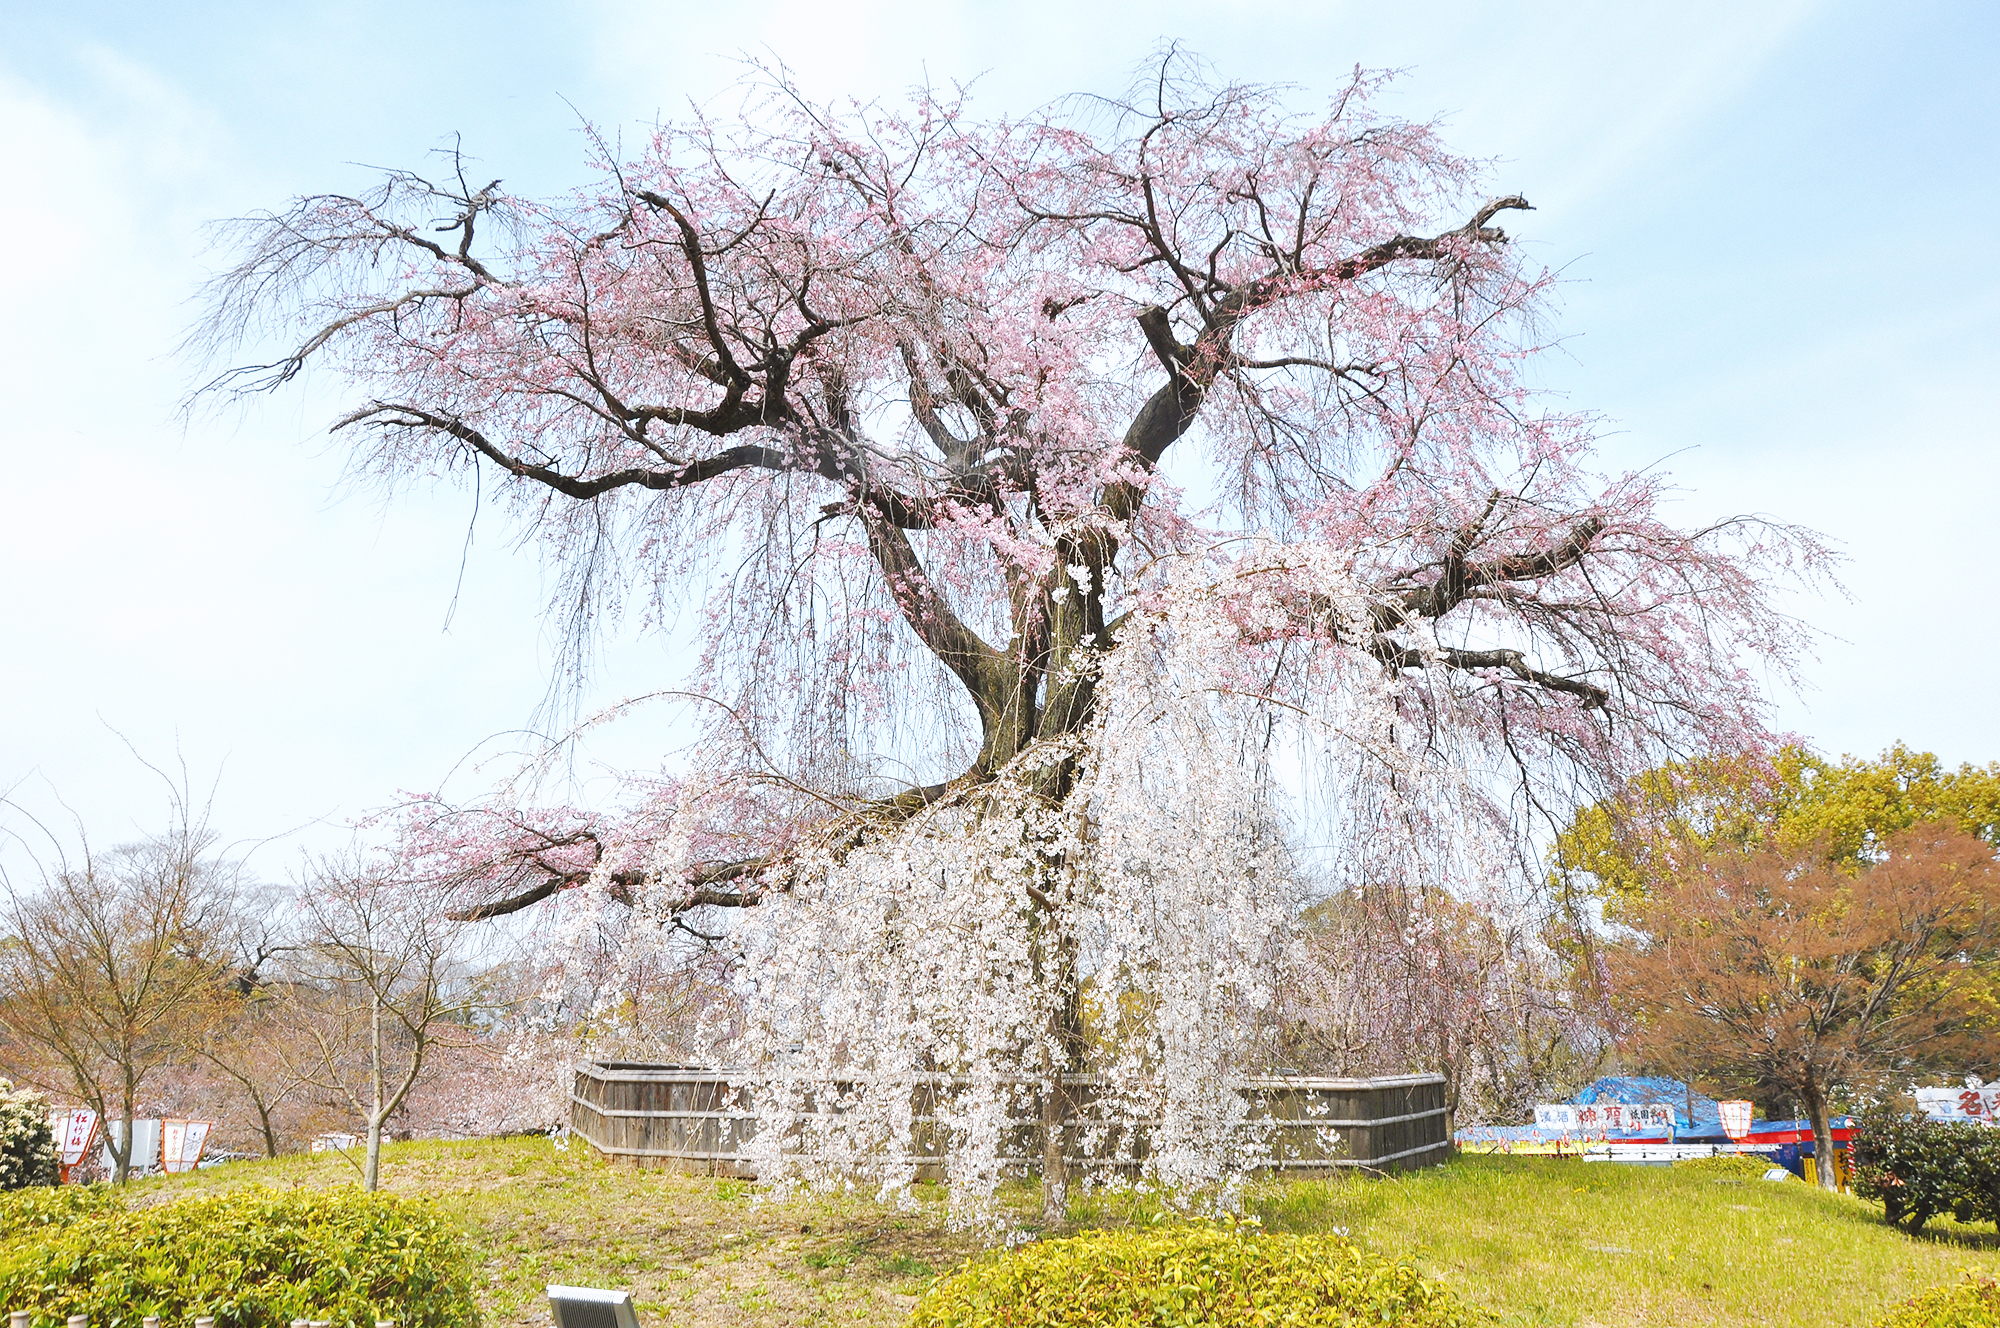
145, 1145
196, 1144
182, 1144
1735, 1118
1597, 1117
1559, 1117
1961, 1104
173, 1134
73, 1136
74, 1132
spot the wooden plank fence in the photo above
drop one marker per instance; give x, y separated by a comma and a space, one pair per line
690, 1118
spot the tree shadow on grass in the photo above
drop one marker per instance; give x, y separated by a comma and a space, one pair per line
1953, 1235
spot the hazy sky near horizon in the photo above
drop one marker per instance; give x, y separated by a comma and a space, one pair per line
1770, 218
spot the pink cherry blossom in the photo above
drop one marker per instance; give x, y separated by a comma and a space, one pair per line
1040, 493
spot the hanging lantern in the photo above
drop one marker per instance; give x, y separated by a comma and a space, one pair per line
1735, 1118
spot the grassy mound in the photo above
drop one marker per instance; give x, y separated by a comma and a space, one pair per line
1973, 1303
1534, 1241
255, 1258
1727, 1166
1208, 1276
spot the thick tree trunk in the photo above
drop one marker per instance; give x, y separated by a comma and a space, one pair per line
1066, 1038
1822, 1127
1055, 1166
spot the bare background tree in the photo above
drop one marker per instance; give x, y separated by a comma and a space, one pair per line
381, 982
112, 961
1391, 979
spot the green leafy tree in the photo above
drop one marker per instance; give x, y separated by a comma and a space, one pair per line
1791, 800
1918, 1169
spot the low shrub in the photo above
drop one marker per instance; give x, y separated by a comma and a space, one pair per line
253, 1258
1973, 1303
1727, 1166
1918, 1169
27, 1148
1183, 1276
26, 1214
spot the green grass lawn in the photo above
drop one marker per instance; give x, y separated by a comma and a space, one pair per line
1540, 1241
1535, 1241
692, 1250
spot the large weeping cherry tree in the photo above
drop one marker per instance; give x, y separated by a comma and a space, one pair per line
1042, 492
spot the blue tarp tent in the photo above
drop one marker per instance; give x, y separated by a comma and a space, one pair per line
1644, 1090
1788, 1141
1638, 1090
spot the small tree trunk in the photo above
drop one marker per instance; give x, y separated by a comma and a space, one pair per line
121, 1152
1067, 1035
264, 1124
1067, 1039
1453, 1068
1822, 1127
372, 1172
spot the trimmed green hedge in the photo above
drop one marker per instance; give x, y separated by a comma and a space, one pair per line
27, 1213
253, 1258
1187, 1277
1973, 1303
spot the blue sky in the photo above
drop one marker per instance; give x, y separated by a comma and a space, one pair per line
1773, 218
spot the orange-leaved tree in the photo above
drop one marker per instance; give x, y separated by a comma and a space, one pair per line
1777, 967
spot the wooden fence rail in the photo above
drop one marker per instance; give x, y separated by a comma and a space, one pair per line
693, 1118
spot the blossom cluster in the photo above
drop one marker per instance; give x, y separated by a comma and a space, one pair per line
27, 1147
